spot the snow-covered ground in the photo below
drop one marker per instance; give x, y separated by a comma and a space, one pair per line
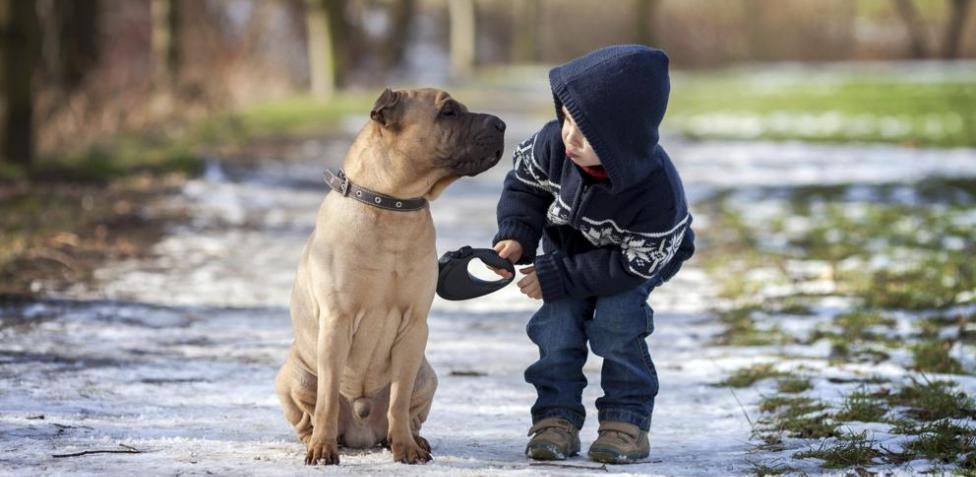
175, 356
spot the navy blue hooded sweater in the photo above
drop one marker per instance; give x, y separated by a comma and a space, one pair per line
600, 237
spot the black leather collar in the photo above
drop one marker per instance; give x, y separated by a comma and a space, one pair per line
340, 183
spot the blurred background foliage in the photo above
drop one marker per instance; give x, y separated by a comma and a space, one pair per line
81, 78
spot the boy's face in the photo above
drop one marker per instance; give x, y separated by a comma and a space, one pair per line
577, 147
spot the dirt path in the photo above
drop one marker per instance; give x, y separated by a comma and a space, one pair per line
175, 356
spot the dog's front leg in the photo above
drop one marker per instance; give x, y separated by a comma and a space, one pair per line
332, 350
407, 355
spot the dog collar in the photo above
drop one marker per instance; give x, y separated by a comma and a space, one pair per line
341, 184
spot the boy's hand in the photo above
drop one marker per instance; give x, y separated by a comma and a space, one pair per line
530, 283
510, 250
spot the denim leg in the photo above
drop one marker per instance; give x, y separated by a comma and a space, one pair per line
617, 333
557, 329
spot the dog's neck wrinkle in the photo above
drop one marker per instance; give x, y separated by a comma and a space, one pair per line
377, 170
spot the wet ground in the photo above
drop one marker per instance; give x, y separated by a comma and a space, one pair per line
169, 361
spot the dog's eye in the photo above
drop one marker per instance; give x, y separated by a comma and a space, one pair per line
448, 112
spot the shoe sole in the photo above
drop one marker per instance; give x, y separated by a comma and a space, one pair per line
610, 457
546, 452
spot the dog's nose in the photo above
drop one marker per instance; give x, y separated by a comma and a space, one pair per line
498, 124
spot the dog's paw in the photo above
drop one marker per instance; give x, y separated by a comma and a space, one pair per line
322, 453
411, 452
422, 442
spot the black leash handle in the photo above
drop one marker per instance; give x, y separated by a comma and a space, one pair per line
455, 283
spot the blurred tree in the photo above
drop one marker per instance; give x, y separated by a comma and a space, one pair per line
71, 44
401, 12
326, 35
915, 27
958, 13
644, 18
19, 51
525, 25
166, 27
462, 28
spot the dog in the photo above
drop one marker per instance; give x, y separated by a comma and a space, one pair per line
357, 374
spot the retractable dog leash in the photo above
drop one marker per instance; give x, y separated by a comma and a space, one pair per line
455, 283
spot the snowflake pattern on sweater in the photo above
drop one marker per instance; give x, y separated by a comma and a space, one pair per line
646, 253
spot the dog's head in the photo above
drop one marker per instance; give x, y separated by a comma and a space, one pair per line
436, 135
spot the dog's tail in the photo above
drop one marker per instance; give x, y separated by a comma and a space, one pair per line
362, 406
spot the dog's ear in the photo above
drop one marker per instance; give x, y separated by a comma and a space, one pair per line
385, 108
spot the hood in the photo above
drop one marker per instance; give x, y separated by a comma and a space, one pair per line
618, 96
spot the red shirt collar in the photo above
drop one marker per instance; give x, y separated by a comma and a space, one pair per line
596, 172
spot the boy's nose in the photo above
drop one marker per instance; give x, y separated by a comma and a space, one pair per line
572, 137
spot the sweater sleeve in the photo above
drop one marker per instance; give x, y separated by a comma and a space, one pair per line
527, 194
638, 258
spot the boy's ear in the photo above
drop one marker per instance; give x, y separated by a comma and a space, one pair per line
385, 108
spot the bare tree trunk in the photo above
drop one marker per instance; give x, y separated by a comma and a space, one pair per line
402, 14
19, 49
957, 24
644, 16
462, 17
324, 22
525, 38
166, 26
915, 27
78, 38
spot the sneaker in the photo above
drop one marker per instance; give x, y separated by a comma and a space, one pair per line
554, 439
620, 443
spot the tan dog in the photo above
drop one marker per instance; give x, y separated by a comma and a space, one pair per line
357, 374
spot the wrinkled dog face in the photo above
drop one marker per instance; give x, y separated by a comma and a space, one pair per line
434, 130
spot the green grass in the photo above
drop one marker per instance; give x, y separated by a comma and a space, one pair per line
793, 385
123, 157
799, 417
748, 376
933, 356
918, 272
298, 116
853, 450
945, 442
51, 209
934, 400
741, 330
841, 109
862, 406
887, 258
183, 151
766, 470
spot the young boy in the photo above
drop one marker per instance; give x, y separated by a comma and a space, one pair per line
605, 198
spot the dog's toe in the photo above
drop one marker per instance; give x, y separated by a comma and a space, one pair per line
322, 454
410, 454
422, 443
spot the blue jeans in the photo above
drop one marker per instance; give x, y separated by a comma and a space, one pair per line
615, 326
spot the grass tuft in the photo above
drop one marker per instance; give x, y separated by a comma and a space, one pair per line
741, 330
854, 450
794, 385
934, 400
799, 417
863, 407
933, 356
765, 470
945, 442
746, 377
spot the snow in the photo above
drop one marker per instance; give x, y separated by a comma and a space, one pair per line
175, 355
